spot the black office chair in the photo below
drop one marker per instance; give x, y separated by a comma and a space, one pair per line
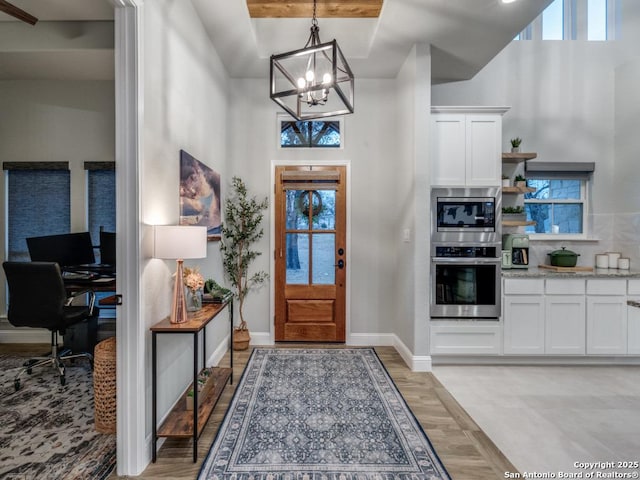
38, 299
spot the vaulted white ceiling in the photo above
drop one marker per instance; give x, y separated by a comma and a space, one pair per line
465, 35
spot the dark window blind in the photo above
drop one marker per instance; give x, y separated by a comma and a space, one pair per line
38, 204
101, 186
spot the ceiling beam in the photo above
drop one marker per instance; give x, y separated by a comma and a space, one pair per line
304, 8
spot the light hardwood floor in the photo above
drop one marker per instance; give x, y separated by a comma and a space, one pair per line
467, 453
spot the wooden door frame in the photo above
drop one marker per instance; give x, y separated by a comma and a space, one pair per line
272, 242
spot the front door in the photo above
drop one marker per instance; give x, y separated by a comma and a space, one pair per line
310, 253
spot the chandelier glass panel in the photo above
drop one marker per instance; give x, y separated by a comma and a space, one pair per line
312, 82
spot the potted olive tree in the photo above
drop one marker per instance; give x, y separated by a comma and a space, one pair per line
240, 230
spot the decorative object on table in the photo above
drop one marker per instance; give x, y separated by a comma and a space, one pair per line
179, 242
343, 399
47, 431
200, 195
513, 214
515, 144
215, 293
314, 81
194, 283
520, 181
241, 229
205, 385
506, 181
624, 263
563, 258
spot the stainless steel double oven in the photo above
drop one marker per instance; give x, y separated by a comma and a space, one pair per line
465, 253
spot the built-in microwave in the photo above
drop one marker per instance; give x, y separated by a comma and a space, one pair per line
463, 215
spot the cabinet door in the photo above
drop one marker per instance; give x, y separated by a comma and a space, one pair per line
523, 325
565, 325
448, 149
633, 340
606, 325
484, 151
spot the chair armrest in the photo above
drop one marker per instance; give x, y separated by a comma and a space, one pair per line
92, 298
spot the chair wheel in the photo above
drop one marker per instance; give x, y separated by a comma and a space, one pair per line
16, 384
63, 380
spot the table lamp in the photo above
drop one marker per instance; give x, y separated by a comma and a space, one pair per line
179, 242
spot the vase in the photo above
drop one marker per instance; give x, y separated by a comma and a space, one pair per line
515, 149
193, 299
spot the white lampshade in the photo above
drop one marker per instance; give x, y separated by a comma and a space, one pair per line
174, 242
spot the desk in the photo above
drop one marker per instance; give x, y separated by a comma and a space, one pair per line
181, 422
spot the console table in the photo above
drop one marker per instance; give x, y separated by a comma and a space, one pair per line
180, 422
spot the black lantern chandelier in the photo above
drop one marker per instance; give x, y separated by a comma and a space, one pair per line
314, 81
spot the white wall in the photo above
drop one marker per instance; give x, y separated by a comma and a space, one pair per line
185, 107
54, 121
370, 146
562, 97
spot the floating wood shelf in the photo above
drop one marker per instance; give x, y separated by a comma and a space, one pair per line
517, 223
179, 422
509, 157
517, 190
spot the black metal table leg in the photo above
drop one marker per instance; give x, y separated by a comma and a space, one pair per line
195, 397
154, 393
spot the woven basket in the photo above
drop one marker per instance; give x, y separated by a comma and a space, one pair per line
104, 385
241, 339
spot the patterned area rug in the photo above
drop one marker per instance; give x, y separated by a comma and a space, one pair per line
47, 430
311, 414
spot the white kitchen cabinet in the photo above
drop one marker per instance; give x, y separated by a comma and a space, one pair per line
524, 324
466, 146
606, 324
633, 328
565, 328
465, 338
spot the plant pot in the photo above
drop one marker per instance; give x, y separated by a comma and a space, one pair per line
241, 339
521, 184
506, 182
563, 258
206, 383
515, 149
514, 217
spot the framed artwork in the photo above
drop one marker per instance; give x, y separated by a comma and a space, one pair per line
200, 195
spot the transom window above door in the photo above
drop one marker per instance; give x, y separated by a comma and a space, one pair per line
310, 133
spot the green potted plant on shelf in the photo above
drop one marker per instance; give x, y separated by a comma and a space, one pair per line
240, 230
515, 144
520, 181
516, 214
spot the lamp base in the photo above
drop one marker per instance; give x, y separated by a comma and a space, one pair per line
178, 306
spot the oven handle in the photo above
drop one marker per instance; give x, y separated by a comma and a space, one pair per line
467, 261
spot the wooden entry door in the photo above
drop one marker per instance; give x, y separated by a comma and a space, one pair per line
310, 253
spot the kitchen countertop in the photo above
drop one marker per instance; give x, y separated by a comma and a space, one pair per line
535, 272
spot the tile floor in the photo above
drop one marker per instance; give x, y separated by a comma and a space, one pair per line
547, 418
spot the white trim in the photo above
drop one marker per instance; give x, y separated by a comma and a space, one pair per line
501, 110
534, 360
218, 353
372, 339
262, 338
416, 363
133, 445
272, 238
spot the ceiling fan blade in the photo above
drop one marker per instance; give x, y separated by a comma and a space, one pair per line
16, 12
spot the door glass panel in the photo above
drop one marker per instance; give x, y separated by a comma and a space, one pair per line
325, 205
323, 256
295, 202
297, 257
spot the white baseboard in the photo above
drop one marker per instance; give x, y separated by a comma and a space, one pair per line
417, 363
217, 354
261, 338
25, 335
371, 339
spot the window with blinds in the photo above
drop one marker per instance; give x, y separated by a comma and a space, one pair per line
38, 203
101, 199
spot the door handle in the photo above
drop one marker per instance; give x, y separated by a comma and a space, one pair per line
340, 264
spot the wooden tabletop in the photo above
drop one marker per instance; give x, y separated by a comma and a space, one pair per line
196, 320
